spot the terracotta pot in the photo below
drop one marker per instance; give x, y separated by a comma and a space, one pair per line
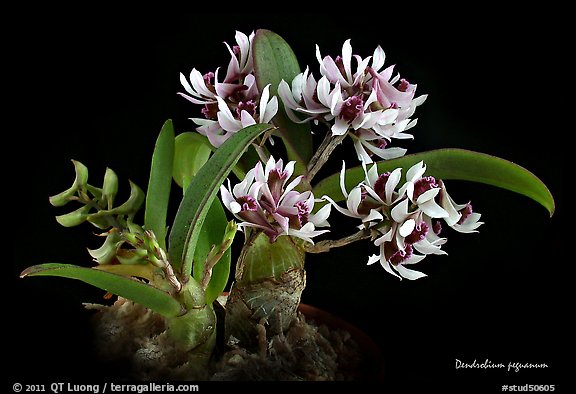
372, 360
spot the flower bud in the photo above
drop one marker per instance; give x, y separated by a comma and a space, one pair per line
130, 257
131, 205
74, 218
110, 187
80, 181
107, 252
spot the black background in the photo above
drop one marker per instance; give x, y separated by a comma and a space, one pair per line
98, 87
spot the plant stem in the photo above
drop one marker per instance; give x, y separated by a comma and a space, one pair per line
325, 246
322, 154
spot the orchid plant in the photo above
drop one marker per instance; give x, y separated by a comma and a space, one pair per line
257, 123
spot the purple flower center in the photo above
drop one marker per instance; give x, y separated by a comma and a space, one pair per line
465, 212
366, 202
423, 185
418, 234
398, 256
276, 180
248, 106
380, 185
303, 212
208, 80
247, 203
437, 227
210, 111
352, 107
404, 85
340, 64
381, 143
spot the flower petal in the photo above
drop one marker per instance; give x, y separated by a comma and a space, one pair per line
386, 265
320, 218
373, 259
433, 210
353, 201
225, 117
186, 85
264, 97
198, 84
246, 119
400, 212
407, 227
408, 273
391, 183
347, 59
343, 180
323, 91
378, 58
340, 127
343, 211
416, 171
226, 195
271, 110
373, 215
426, 247
427, 195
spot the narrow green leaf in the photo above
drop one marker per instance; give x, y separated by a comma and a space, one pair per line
158, 194
191, 152
211, 234
457, 164
200, 194
274, 61
132, 289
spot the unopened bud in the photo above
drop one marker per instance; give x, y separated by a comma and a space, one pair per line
81, 174
130, 257
131, 205
80, 181
107, 252
74, 218
229, 233
110, 187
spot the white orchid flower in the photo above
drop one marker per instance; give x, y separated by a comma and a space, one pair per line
266, 200
370, 105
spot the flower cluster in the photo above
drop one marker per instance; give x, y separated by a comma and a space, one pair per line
267, 201
235, 102
405, 219
369, 104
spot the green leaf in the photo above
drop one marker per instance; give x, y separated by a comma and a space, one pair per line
200, 194
457, 164
211, 234
135, 290
158, 194
274, 61
192, 151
